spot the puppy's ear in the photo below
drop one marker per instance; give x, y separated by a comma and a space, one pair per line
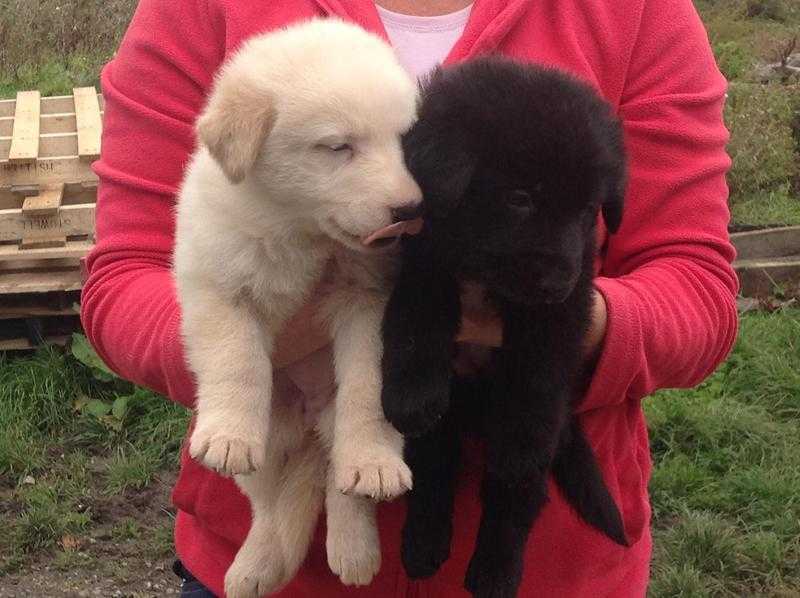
616, 179
235, 122
612, 207
443, 170
453, 178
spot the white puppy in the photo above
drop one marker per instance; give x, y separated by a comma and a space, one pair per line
299, 161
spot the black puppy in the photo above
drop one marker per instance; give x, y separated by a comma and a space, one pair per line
514, 163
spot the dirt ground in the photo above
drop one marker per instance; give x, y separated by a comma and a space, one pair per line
127, 552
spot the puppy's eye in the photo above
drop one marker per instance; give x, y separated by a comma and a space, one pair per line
340, 147
520, 204
520, 198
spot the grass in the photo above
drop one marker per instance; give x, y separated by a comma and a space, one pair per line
727, 471
726, 510
75, 444
79, 448
55, 45
764, 121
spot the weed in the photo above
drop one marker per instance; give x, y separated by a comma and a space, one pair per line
766, 9
127, 529
726, 516
130, 467
733, 60
762, 143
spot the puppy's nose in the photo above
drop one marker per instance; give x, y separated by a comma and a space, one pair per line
556, 289
408, 211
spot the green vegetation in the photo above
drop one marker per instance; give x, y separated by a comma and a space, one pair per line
80, 454
87, 460
764, 120
55, 45
727, 471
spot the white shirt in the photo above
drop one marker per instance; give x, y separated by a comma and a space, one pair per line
422, 43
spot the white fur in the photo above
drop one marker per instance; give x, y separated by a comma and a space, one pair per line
269, 198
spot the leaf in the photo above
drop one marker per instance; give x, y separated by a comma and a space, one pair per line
80, 402
112, 423
97, 408
70, 543
83, 352
120, 407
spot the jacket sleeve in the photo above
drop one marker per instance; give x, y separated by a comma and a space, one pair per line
666, 276
153, 89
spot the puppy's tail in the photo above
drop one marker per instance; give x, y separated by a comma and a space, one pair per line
576, 472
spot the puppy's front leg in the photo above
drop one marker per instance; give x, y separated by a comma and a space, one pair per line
419, 326
428, 529
528, 413
229, 352
367, 452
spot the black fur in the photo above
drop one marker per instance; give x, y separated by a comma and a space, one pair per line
514, 163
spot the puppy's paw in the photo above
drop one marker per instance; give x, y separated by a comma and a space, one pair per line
225, 452
374, 471
425, 547
414, 400
258, 569
492, 575
354, 553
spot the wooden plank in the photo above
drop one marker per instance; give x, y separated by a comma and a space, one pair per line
6, 128
62, 104
46, 203
62, 122
51, 145
25, 190
40, 282
25, 136
73, 194
767, 243
759, 278
7, 108
34, 311
51, 170
22, 344
72, 250
88, 121
39, 264
70, 221
43, 240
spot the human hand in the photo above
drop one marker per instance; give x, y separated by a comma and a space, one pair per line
303, 334
484, 327
311, 381
593, 342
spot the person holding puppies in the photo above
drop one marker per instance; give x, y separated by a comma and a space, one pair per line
664, 311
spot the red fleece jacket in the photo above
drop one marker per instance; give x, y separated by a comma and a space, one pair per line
666, 276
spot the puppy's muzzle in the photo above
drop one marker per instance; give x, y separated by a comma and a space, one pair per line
555, 289
409, 211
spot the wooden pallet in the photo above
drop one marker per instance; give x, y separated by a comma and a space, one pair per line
30, 320
767, 260
47, 188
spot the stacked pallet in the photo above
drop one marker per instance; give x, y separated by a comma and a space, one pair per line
768, 260
47, 202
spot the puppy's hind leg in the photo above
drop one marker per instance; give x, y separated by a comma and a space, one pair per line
367, 452
260, 565
577, 474
300, 502
285, 498
353, 546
